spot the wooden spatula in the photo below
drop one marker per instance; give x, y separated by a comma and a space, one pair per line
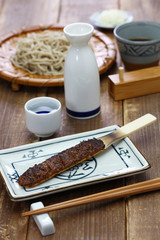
127, 129
82, 151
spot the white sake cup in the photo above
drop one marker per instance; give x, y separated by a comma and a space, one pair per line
43, 116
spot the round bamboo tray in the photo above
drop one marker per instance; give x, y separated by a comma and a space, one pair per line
103, 47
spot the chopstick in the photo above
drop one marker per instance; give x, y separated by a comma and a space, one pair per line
126, 191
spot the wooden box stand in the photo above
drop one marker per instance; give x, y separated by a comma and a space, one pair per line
134, 83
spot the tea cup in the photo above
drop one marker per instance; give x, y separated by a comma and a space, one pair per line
139, 44
43, 116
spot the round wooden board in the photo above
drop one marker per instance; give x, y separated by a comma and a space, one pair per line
101, 44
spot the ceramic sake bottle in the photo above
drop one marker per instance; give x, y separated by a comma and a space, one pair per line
81, 75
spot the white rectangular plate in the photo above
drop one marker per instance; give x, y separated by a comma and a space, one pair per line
120, 160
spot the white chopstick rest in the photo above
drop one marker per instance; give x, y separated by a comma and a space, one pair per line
43, 221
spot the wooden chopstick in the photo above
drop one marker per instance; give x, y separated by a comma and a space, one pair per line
137, 188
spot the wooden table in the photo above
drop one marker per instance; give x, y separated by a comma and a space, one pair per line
134, 218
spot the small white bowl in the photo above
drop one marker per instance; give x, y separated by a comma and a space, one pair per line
43, 116
139, 44
109, 19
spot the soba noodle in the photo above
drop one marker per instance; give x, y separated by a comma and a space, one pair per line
42, 53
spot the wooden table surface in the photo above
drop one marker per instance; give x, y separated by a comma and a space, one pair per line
134, 218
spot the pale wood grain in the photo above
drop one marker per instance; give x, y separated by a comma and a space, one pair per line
149, 146
142, 10
120, 220
21, 14
14, 15
82, 10
143, 217
142, 214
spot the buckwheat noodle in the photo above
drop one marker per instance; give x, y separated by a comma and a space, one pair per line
42, 53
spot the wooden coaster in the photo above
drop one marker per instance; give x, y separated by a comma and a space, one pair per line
135, 83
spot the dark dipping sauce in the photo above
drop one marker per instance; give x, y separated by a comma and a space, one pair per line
140, 39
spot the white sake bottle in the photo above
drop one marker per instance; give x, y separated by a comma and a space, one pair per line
81, 75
